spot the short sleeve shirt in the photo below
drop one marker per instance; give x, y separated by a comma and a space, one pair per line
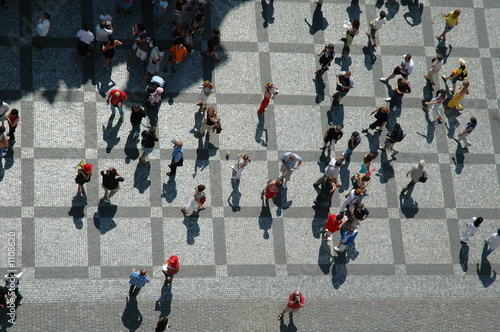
450, 20
291, 163
379, 22
408, 65
116, 100
102, 34
295, 305
345, 81
177, 54
332, 224
85, 36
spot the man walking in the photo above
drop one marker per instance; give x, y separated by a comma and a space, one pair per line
170, 268
351, 199
138, 279
375, 25
111, 179
177, 157
404, 69
346, 239
326, 57
116, 98
344, 84
333, 224
396, 99
471, 229
296, 300
289, 163
351, 145
396, 135
492, 242
359, 213
468, 130
332, 135
417, 174
86, 37
332, 169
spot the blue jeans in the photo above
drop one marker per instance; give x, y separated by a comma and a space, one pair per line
348, 152
136, 127
2, 150
120, 109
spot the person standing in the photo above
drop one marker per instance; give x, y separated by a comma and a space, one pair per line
326, 57
209, 122
177, 54
170, 268
102, 32
198, 21
138, 279
11, 281
270, 91
346, 239
333, 224
177, 157
332, 169
468, 130
197, 201
404, 69
396, 135
417, 174
381, 116
155, 59
13, 120
179, 10
207, 88
471, 230
109, 50
351, 145
86, 37
212, 45
272, 188
160, 6
351, 32
296, 300
4, 142
116, 99
345, 83
141, 52
111, 179
452, 20
437, 64
327, 189
83, 176
351, 199
332, 135
457, 74
436, 103
136, 117
359, 213
375, 25
239, 166
459, 95
491, 243
149, 138
403, 88
289, 163
42, 29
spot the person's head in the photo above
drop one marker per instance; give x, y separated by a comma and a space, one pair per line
211, 110
180, 47
330, 179
136, 108
397, 126
86, 27
462, 62
117, 94
162, 324
358, 192
246, 158
161, 47
384, 109
338, 128
360, 206
331, 47
200, 188
278, 183
339, 216
2, 129
208, 84
291, 157
465, 84
143, 272
439, 56
11, 274
179, 144
112, 172
173, 259
103, 24
269, 85
456, 13
421, 163
355, 134
152, 130
350, 229
140, 27
402, 81
347, 74
478, 221
473, 120
87, 168
368, 157
1, 102
216, 32
441, 92
338, 163
200, 9
297, 292
355, 23
408, 57
14, 111
383, 14
111, 39
365, 178
46, 16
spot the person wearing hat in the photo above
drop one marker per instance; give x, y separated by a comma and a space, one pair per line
170, 268
83, 176
457, 74
491, 243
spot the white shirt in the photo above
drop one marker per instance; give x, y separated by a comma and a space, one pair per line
43, 27
102, 34
379, 22
438, 65
493, 241
4, 107
408, 66
163, 4
85, 36
332, 170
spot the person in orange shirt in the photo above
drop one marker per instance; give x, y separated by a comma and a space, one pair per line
177, 54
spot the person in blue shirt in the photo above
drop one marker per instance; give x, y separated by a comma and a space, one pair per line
177, 157
468, 129
346, 239
289, 162
138, 279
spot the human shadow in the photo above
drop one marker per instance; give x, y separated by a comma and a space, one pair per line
131, 317
169, 190
386, 171
104, 81
202, 160
234, 197
287, 328
267, 12
319, 218
164, 303
345, 60
373, 141
339, 270
130, 149
409, 207
103, 217
414, 15
325, 257
351, 253
345, 175
336, 115
281, 199
318, 21
77, 211
141, 176
198, 121
452, 123
459, 159
110, 133
192, 227
392, 9
261, 136
152, 113
443, 50
463, 257
370, 57
265, 220
6, 320
485, 274
320, 86
353, 10
431, 129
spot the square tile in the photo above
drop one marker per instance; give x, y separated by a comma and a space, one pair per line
301, 248
292, 82
61, 192
221, 270
420, 197
451, 213
371, 234
473, 197
263, 46
400, 269
239, 233
248, 78
231, 15
290, 13
426, 241
297, 135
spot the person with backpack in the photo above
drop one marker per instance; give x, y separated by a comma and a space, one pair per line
396, 135
457, 74
149, 138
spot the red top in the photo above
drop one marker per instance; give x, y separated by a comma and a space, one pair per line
116, 100
295, 305
13, 118
171, 266
332, 224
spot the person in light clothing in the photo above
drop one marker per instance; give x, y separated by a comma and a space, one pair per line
289, 163
471, 229
492, 242
468, 130
375, 25
346, 239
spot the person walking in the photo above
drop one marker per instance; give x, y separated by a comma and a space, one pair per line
437, 64
467, 131
86, 37
270, 91
375, 25
346, 239
116, 98
149, 137
452, 20
351, 145
326, 57
136, 117
42, 29
403, 88
457, 74
491, 243
197, 201
454, 103
351, 199
155, 59
289, 163
332, 169
209, 122
111, 179
332, 135
177, 54
436, 103
4, 111
471, 230
381, 117
109, 50
239, 166
296, 300
83, 176
207, 88
170, 268
11, 281
359, 213
138, 279
404, 69
162, 325
13, 120
103, 30
272, 188
177, 157
4, 142
179, 10
332, 224
325, 194
417, 174
351, 31
345, 83
160, 6
396, 135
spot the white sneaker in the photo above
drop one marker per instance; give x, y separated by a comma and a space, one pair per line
383, 80
328, 239
337, 250
388, 99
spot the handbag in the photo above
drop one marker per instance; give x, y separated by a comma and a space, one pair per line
423, 178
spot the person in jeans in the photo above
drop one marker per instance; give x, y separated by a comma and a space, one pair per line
116, 98
111, 179
138, 279
296, 300
289, 162
149, 138
415, 173
345, 83
346, 239
326, 57
375, 25
467, 131
351, 145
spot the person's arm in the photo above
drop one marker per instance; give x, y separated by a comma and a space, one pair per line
338, 80
298, 165
285, 165
118, 43
13, 123
109, 96
86, 176
321, 53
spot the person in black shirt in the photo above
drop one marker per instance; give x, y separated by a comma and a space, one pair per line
111, 179
381, 116
136, 119
332, 135
212, 45
326, 58
358, 214
396, 135
148, 142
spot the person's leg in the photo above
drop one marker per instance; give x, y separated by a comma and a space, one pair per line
373, 33
348, 153
12, 130
113, 109
173, 169
131, 289
408, 186
136, 291
112, 193
122, 114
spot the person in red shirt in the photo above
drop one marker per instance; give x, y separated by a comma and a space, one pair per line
13, 119
333, 224
116, 99
296, 300
170, 268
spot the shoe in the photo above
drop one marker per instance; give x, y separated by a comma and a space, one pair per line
364, 130
120, 119
106, 200
464, 242
383, 80
3, 154
323, 148
395, 152
444, 78
402, 192
388, 99
263, 192
317, 72
374, 45
169, 174
328, 239
315, 185
344, 40
337, 250
455, 138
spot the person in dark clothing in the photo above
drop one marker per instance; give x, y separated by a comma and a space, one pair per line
111, 179
396, 135
381, 116
326, 57
332, 135
148, 142
212, 45
403, 88
135, 119
345, 83
327, 189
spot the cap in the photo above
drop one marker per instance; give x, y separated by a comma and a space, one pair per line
87, 168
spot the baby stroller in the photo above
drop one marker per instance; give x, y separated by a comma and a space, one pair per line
154, 89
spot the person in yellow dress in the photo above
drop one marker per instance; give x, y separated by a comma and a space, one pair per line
459, 95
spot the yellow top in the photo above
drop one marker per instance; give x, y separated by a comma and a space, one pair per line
451, 20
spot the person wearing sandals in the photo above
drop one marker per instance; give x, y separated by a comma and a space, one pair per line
459, 95
197, 201
296, 300
437, 64
83, 177
207, 88
239, 166
170, 268
211, 119
436, 104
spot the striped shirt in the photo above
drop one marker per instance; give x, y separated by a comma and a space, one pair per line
137, 280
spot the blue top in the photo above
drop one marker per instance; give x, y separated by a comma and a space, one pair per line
177, 154
137, 280
347, 238
291, 163
470, 125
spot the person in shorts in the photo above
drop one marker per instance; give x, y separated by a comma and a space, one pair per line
326, 57
296, 300
177, 54
111, 179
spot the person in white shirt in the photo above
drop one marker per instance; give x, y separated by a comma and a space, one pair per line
375, 25
42, 29
492, 242
437, 64
404, 69
86, 38
471, 229
102, 31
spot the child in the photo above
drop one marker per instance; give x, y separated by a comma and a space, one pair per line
13, 119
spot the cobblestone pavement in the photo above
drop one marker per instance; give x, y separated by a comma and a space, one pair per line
239, 259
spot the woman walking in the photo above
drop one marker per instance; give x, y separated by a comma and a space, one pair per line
239, 166
451, 21
111, 179
436, 104
83, 176
211, 119
437, 64
269, 93
207, 88
351, 31
197, 201
271, 189
459, 95
109, 49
